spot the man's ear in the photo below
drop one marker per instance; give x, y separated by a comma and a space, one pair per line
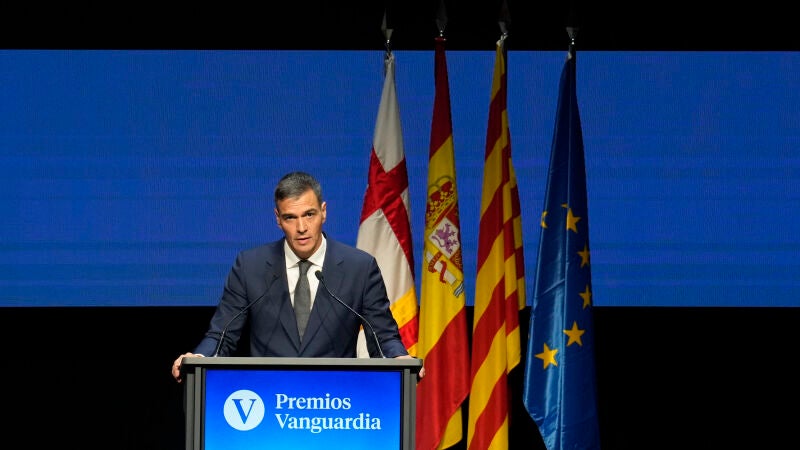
277, 217
324, 211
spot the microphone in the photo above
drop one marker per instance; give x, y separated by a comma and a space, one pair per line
235, 316
363, 320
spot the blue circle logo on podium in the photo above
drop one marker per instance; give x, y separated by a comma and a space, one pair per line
244, 410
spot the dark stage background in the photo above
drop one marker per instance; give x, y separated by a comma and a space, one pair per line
668, 377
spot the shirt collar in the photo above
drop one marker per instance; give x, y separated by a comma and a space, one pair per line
316, 259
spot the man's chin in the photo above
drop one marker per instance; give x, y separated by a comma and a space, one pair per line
303, 249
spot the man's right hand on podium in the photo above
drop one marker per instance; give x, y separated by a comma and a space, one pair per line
176, 366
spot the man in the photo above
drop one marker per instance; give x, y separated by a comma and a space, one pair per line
261, 285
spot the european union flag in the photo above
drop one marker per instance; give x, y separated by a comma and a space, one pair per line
560, 390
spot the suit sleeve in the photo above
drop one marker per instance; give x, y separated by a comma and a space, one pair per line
377, 311
234, 299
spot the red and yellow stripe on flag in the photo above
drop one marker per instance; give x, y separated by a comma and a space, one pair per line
499, 292
443, 344
385, 230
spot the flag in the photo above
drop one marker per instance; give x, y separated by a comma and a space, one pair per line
500, 283
385, 230
560, 391
443, 344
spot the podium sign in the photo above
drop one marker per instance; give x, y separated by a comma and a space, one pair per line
237, 403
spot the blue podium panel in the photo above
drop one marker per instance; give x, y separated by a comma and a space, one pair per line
234, 403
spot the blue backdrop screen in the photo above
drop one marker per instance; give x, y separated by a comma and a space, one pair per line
132, 178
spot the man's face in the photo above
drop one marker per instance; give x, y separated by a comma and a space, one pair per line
301, 220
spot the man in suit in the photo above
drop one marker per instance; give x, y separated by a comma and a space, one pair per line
260, 290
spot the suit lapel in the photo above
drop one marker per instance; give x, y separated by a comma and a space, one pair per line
333, 269
276, 273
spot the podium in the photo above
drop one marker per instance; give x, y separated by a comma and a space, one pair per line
237, 403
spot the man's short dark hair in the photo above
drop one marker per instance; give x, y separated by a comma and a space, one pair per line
295, 184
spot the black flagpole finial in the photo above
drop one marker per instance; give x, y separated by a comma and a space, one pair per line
441, 18
387, 33
572, 24
572, 32
504, 19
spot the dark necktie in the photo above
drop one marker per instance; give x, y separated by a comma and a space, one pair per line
302, 298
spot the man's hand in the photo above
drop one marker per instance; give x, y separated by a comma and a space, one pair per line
421, 369
176, 366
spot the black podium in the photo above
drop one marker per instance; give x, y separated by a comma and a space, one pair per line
236, 403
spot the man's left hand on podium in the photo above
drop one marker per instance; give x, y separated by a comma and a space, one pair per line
421, 369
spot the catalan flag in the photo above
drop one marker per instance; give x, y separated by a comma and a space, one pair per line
385, 230
560, 391
443, 342
500, 285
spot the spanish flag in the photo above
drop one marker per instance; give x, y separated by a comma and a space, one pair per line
443, 342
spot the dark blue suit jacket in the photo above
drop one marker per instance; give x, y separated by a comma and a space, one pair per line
259, 276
